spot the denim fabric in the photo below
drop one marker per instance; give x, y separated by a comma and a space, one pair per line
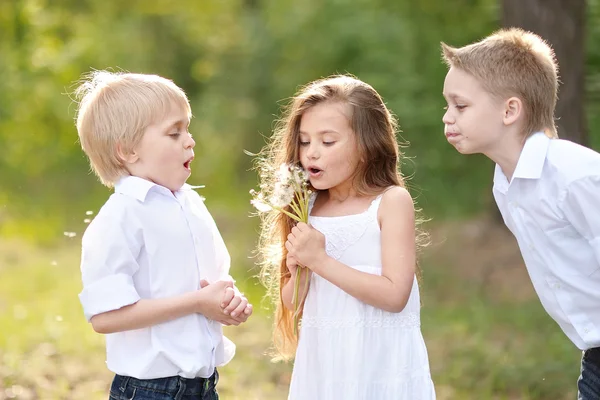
588, 384
171, 388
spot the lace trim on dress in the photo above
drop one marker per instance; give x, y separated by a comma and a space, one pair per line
341, 232
405, 321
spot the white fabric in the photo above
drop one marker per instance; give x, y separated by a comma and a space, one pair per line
147, 243
552, 206
348, 349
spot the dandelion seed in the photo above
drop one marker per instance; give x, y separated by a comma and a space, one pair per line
260, 205
87, 221
70, 234
53, 263
89, 213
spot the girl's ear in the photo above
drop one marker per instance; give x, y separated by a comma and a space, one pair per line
513, 109
126, 157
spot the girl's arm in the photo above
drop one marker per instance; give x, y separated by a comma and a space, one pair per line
287, 293
391, 290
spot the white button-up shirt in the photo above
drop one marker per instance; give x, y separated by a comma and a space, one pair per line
146, 243
552, 206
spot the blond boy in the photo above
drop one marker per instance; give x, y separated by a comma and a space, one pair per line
501, 94
150, 253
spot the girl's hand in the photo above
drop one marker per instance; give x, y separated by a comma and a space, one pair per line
306, 245
292, 264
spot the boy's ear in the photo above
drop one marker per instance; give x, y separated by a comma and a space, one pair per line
513, 108
126, 157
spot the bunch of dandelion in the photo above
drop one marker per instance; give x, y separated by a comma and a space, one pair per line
290, 189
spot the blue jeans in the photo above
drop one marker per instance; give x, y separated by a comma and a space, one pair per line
588, 384
171, 388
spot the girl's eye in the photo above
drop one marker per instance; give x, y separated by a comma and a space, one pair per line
175, 135
328, 143
304, 143
460, 106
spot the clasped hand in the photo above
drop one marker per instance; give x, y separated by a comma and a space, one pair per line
232, 308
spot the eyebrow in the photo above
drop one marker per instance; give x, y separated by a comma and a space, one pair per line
452, 96
181, 122
322, 132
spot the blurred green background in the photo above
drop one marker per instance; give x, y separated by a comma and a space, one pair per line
487, 335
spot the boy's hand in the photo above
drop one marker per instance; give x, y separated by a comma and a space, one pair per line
210, 300
233, 304
236, 305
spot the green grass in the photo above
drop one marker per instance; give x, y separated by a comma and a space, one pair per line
482, 345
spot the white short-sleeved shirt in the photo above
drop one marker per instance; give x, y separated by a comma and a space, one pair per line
552, 206
148, 243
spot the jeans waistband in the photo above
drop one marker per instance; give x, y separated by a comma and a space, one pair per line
173, 385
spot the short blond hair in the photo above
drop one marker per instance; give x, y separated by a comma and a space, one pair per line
115, 108
514, 62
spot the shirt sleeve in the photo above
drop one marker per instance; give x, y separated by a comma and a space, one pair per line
582, 208
108, 264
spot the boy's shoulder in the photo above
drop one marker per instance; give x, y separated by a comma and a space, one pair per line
572, 161
114, 211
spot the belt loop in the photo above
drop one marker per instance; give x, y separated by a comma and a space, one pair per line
181, 388
124, 382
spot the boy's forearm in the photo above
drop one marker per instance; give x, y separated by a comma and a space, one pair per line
145, 313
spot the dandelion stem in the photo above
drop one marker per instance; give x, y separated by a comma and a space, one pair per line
295, 297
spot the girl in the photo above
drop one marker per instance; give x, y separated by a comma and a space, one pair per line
360, 332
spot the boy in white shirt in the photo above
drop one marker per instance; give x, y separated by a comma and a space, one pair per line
150, 253
501, 94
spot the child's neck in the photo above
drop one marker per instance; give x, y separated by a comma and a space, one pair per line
341, 194
506, 154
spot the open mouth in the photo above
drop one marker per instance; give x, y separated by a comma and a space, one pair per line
314, 171
188, 163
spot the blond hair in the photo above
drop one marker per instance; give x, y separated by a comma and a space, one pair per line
375, 129
114, 110
514, 62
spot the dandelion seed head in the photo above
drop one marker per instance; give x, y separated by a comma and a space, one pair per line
260, 205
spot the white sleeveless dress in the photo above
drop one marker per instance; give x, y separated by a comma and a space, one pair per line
349, 350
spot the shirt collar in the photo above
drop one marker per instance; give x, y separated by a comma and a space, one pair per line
135, 187
531, 161
138, 188
532, 158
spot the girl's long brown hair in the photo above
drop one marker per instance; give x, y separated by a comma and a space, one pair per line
375, 128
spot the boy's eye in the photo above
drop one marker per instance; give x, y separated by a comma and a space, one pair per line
304, 143
175, 134
461, 106
328, 143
